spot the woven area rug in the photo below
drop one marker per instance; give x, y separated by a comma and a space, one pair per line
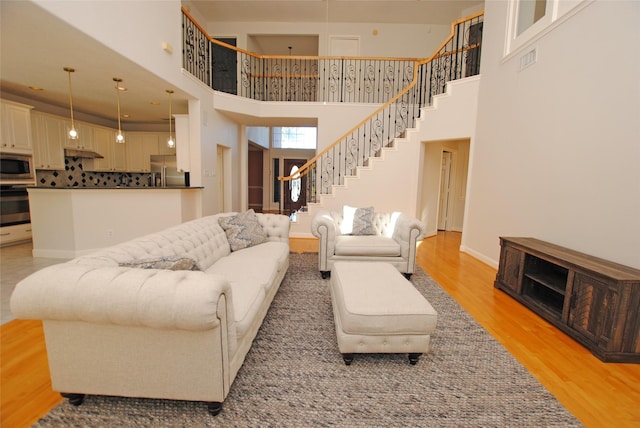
294, 376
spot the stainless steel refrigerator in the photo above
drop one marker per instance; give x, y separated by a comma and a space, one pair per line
165, 173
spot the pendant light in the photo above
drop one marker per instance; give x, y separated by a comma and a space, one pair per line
73, 134
171, 143
119, 135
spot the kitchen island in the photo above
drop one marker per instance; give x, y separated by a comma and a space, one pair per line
68, 222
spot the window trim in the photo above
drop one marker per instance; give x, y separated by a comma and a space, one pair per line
553, 18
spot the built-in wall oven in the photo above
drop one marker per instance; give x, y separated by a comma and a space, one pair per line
16, 173
14, 205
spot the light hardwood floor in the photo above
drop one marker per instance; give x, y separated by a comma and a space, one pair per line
598, 394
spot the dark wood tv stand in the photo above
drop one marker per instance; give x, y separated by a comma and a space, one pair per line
595, 301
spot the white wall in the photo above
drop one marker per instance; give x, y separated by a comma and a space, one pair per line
557, 152
391, 40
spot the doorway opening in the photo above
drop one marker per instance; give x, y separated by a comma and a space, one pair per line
445, 190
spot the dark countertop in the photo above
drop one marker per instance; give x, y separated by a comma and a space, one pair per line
114, 188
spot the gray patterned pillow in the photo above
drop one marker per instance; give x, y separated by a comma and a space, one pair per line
168, 263
363, 222
243, 230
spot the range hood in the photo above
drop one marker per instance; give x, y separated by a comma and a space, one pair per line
80, 153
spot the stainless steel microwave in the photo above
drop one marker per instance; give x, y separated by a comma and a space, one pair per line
15, 169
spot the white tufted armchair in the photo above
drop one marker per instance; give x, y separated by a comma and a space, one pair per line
394, 241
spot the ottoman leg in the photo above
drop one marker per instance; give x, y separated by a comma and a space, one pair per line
413, 358
348, 358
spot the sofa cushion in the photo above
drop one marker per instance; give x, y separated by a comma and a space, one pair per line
366, 246
259, 264
243, 230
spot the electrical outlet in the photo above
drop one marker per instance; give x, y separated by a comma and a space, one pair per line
110, 233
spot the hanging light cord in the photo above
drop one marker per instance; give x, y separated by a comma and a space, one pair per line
69, 70
170, 114
118, 94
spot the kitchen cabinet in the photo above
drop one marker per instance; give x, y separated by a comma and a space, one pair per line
163, 149
16, 128
592, 300
183, 153
85, 136
15, 234
48, 142
140, 146
104, 142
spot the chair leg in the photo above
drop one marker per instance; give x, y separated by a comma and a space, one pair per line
413, 358
214, 407
74, 399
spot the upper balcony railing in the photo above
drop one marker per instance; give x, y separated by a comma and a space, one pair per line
229, 69
402, 85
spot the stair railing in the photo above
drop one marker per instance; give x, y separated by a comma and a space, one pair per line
457, 57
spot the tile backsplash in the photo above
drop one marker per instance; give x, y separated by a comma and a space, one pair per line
74, 175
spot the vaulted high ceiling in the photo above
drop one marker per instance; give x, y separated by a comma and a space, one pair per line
33, 58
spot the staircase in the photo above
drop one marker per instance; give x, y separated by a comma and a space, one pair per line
383, 182
380, 161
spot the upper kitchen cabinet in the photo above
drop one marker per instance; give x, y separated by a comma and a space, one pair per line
16, 128
48, 141
85, 136
182, 142
163, 149
140, 147
115, 160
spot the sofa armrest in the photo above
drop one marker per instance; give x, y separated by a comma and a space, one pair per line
276, 226
324, 227
163, 299
407, 232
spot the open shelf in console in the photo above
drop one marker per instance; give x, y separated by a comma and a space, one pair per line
544, 283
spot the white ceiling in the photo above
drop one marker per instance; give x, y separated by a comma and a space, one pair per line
37, 58
378, 11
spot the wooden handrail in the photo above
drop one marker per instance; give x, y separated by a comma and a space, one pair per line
413, 82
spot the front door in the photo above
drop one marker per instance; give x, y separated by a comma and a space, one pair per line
295, 191
255, 179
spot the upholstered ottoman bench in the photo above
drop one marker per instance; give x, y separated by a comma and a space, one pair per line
376, 310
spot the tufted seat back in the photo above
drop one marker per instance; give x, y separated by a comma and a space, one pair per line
382, 222
202, 240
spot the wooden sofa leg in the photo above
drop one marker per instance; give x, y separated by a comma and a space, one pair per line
413, 358
74, 399
325, 274
348, 358
407, 275
214, 407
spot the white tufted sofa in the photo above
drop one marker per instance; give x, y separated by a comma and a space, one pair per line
183, 335
394, 241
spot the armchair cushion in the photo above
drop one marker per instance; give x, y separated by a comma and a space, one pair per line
366, 246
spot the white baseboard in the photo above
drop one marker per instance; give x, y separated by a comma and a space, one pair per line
479, 256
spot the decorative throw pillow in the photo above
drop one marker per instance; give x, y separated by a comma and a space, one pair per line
363, 222
168, 263
346, 227
357, 221
243, 230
